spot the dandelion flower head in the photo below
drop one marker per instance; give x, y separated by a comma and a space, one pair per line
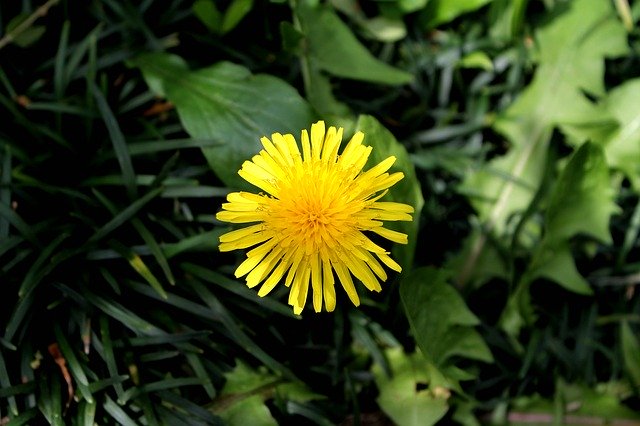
310, 224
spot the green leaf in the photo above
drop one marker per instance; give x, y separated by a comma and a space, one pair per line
248, 411
406, 191
242, 400
555, 263
581, 204
208, 14
27, 37
476, 59
572, 48
630, 352
234, 14
408, 6
582, 201
442, 11
401, 396
226, 103
118, 141
385, 29
440, 320
622, 147
333, 48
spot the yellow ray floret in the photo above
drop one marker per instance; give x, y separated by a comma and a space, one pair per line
311, 224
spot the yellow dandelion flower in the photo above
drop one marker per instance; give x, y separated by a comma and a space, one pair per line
312, 217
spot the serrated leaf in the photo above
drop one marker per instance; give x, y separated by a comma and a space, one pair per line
556, 264
401, 397
581, 204
622, 147
440, 320
406, 191
582, 201
242, 400
333, 48
572, 48
226, 103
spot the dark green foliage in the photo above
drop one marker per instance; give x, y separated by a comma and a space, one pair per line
123, 124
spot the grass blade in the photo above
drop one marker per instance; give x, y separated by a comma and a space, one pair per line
118, 141
124, 215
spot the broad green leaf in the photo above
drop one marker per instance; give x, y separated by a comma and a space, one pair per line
622, 147
555, 263
581, 204
244, 379
582, 201
630, 352
333, 48
250, 410
406, 191
442, 11
207, 12
440, 320
234, 14
242, 400
226, 103
571, 50
320, 94
409, 397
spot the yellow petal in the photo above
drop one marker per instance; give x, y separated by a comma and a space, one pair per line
395, 236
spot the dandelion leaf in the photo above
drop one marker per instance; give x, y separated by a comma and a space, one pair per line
622, 146
332, 47
570, 51
226, 103
410, 396
442, 11
581, 204
441, 322
245, 392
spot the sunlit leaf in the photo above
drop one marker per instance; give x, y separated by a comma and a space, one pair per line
572, 48
246, 390
441, 11
622, 147
208, 14
333, 48
408, 396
